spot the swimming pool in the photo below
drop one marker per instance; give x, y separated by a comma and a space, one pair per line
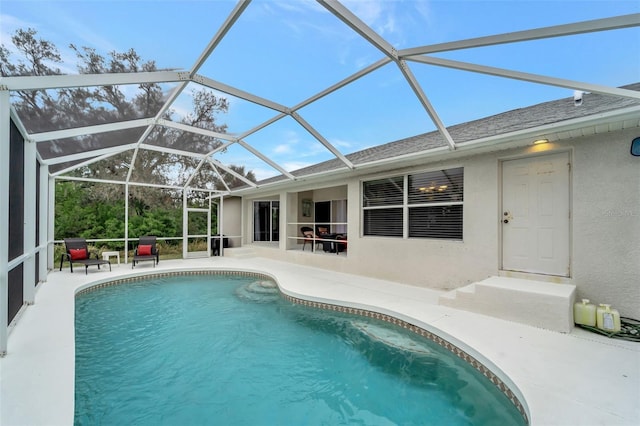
196, 349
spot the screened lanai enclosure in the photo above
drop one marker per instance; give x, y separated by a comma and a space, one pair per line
183, 106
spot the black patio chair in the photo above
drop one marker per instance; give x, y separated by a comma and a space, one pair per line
215, 244
146, 250
77, 251
309, 237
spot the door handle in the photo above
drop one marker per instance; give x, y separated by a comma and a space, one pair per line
507, 217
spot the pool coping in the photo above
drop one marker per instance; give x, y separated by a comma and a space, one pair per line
554, 372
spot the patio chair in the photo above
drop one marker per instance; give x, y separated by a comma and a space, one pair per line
215, 244
146, 250
309, 237
77, 251
322, 230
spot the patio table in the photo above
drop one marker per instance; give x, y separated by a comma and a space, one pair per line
98, 262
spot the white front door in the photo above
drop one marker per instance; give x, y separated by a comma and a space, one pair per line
535, 214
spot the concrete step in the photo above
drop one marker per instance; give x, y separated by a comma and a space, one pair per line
537, 303
239, 252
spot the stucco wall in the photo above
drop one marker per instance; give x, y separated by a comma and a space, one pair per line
606, 222
232, 220
605, 244
438, 263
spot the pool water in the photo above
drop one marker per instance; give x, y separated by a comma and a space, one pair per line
225, 349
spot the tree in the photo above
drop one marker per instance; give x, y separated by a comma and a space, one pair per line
46, 110
43, 110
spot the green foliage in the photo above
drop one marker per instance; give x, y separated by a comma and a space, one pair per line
164, 222
91, 211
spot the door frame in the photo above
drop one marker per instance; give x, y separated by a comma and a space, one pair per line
274, 226
500, 210
186, 235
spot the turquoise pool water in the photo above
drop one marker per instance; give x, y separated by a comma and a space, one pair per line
229, 350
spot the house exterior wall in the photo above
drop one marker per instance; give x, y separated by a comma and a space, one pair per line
606, 221
232, 220
329, 194
441, 264
604, 247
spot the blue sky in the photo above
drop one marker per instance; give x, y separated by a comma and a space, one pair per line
287, 51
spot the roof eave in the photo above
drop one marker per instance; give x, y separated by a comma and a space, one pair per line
503, 141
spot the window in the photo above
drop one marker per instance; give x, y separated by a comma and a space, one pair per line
421, 205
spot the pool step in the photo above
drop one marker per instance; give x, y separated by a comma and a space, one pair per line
392, 337
261, 291
537, 303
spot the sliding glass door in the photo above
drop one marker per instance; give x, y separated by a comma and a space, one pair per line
266, 217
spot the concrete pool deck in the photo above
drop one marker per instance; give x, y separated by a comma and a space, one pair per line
576, 378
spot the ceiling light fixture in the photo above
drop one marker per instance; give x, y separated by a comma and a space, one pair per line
540, 141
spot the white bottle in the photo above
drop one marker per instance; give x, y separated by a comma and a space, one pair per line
584, 313
608, 319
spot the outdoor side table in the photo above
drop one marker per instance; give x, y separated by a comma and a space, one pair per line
107, 254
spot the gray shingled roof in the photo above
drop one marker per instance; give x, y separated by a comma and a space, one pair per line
546, 113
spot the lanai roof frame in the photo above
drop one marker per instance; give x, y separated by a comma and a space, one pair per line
390, 55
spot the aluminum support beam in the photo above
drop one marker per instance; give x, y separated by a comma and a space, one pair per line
193, 174
322, 140
360, 27
90, 130
534, 78
170, 151
215, 169
417, 89
365, 71
43, 221
606, 24
85, 80
135, 150
29, 240
265, 159
185, 225
93, 156
217, 38
193, 129
261, 126
225, 88
221, 226
5, 140
218, 164
51, 221
118, 182
126, 223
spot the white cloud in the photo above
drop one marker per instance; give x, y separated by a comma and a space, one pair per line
9, 25
262, 173
299, 6
290, 139
282, 149
295, 165
368, 11
80, 33
384, 16
423, 8
339, 143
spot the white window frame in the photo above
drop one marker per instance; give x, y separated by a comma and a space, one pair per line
406, 205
